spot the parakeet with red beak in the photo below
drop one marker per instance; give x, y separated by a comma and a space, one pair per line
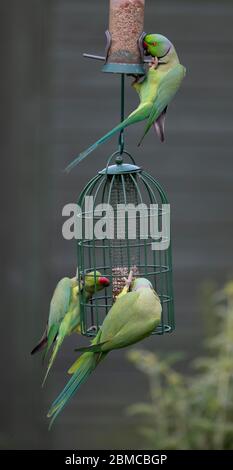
133, 317
64, 314
156, 91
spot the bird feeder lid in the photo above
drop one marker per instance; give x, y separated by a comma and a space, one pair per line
120, 169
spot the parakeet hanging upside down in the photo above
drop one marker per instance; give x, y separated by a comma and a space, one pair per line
133, 317
64, 314
156, 91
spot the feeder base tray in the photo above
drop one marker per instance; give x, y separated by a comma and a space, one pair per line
134, 69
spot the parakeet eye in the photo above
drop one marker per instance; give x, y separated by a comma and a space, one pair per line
154, 44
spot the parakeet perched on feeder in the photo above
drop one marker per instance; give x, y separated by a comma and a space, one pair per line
133, 317
64, 314
156, 91
170, 74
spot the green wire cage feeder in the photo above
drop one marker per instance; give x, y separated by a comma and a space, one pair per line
123, 184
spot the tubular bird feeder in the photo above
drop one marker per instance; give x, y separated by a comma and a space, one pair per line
122, 184
124, 53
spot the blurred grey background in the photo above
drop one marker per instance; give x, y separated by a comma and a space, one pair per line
55, 103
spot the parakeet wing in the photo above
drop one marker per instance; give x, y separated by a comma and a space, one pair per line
134, 317
58, 308
60, 302
166, 92
118, 317
119, 314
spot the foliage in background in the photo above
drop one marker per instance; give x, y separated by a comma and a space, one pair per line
195, 411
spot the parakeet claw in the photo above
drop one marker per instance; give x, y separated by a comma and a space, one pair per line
128, 281
136, 78
154, 63
92, 328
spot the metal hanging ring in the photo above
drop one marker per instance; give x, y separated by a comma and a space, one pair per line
119, 154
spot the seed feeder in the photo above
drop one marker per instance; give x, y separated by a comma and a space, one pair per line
124, 51
122, 183
125, 56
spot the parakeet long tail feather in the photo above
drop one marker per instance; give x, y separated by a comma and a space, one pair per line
127, 122
57, 346
63, 404
41, 345
85, 365
93, 348
50, 339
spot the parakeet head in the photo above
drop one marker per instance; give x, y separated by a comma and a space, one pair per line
94, 282
156, 45
141, 283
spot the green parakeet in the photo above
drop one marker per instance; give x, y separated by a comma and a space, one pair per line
64, 314
133, 317
156, 91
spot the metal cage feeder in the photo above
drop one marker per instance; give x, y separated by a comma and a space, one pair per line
123, 183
